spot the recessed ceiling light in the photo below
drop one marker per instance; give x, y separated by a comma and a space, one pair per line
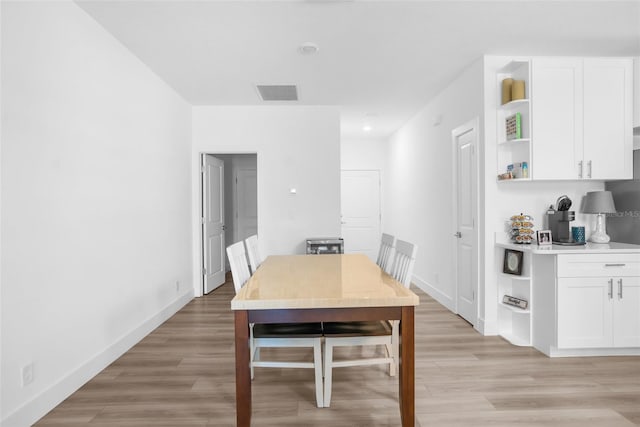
308, 48
367, 128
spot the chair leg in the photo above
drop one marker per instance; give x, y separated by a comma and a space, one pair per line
317, 365
252, 352
322, 345
391, 354
328, 367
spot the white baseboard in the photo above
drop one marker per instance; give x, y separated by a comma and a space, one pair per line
41, 404
590, 352
487, 328
434, 293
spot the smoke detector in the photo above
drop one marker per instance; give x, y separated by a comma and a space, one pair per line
308, 48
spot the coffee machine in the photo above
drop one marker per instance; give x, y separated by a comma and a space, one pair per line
559, 220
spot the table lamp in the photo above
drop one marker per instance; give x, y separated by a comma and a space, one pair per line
600, 203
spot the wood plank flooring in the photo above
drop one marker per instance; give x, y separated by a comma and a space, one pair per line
182, 374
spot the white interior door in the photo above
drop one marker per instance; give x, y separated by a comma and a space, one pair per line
360, 203
246, 203
466, 190
213, 245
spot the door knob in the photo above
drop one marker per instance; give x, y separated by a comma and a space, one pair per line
458, 234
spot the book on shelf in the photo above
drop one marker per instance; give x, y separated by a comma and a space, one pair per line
513, 125
515, 302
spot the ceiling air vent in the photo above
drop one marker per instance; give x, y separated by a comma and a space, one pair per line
278, 92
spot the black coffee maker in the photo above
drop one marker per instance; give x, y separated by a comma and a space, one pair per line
559, 220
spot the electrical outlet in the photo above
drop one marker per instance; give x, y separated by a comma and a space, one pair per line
177, 285
27, 374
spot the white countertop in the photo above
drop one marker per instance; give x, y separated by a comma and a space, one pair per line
589, 248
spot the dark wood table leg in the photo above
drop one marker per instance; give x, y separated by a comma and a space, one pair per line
407, 368
243, 372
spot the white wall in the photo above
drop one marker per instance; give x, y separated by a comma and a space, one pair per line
419, 189
363, 154
96, 203
297, 147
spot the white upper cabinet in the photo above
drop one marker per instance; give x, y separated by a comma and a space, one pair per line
608, 118
557, 118
582, 114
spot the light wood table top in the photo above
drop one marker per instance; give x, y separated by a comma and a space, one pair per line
321, 281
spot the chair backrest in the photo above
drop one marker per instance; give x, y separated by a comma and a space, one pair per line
403, 262
253, 252
238, 262
385, 254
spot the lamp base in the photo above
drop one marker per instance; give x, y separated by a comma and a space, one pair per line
600, 238
599, 235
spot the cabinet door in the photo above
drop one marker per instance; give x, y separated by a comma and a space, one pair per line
626, 312
556, 102
585, 313
608, 104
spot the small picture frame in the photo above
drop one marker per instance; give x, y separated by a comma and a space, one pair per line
544, 237
512, 262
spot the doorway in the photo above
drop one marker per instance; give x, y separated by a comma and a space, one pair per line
465, 201
236, 202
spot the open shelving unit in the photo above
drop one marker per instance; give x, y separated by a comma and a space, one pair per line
510, 151
514, 324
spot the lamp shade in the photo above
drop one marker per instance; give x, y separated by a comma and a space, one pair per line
597, 202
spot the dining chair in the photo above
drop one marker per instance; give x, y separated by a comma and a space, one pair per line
385, 254
277, 334
255, 259
369, 333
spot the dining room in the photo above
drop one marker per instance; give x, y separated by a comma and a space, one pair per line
107, 109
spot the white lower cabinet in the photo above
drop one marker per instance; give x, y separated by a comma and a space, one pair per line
598, 312
626, 313
597, 305
601, 306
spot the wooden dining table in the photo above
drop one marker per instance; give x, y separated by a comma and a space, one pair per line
323, 288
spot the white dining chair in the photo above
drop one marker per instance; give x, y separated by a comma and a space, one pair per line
255, 259
385, 254
369, 333
277, 334
238, 263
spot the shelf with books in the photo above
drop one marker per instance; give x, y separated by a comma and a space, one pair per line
513, 115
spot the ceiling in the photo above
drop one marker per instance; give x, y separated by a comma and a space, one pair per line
379, 61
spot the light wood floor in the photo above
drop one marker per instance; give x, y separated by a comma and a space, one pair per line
182, 374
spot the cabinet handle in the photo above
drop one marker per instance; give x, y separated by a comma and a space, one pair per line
589, 165
610, 288
615, 265
580, 166
619, 288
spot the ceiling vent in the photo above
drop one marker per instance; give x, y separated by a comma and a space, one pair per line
278, 92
